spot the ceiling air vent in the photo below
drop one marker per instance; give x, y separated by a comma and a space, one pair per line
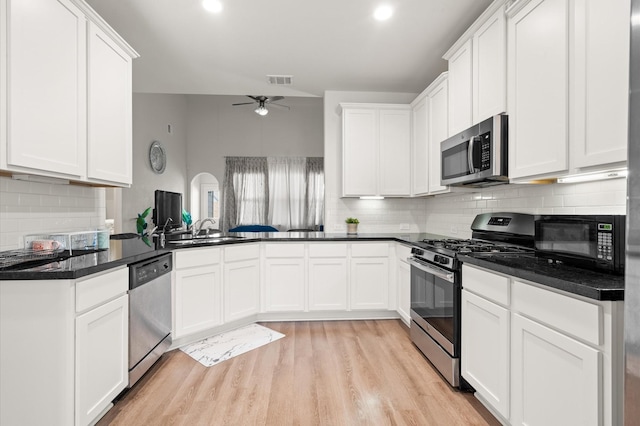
280, 80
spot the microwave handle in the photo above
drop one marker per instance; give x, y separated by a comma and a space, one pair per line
472, 166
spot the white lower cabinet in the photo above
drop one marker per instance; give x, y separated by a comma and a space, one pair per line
539, 356
284, 278
65, 348
369, 276
555, 377
403, 282
327, 277
241, 281
101, 357
485, 350
198, 291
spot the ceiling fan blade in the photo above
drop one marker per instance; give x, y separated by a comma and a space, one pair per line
279, 106
244, 103
275, 99
255, 98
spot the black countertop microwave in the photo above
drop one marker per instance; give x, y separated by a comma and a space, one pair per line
591, 241
478, 156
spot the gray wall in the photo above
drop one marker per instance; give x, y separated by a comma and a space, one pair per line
217, 129
152, 113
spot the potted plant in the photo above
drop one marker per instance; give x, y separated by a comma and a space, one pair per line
352, 225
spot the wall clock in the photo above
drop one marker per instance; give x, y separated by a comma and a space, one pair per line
157, 157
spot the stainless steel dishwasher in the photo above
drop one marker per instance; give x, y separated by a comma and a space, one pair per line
149, 313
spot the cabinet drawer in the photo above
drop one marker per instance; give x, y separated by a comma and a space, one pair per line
241, 252
328, 250
284, 250
491, 286
576, 317
196, 257
96, 290
369, 250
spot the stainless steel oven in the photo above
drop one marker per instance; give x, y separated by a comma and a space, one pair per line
435, 313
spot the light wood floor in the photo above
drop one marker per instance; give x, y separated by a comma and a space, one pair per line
321, 373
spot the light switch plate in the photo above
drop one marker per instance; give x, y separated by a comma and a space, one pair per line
404, 227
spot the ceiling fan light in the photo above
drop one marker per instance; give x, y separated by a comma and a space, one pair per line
261, 110
213, 6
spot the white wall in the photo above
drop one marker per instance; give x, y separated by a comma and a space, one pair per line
217, 129
152, 114
31, 207
453, 214
374, 215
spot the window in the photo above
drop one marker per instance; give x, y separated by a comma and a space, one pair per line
284, 192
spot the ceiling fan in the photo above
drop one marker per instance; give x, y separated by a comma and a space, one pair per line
262, 102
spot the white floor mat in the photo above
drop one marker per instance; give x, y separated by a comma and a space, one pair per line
221, 347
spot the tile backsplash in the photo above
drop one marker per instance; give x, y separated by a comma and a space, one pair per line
32, 207
452, 214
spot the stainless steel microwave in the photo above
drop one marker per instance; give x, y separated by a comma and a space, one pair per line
588, 241
478, 156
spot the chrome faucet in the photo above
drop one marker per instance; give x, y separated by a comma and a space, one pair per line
197, 227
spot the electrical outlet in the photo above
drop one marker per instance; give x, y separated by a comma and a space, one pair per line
404, 227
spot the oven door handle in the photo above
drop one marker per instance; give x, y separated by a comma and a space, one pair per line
434, 270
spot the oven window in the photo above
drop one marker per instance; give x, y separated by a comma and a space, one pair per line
566, 237
455, 161
433, 299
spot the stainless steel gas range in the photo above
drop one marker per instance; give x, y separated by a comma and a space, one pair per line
436, 284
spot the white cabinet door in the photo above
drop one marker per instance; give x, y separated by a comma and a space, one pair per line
46, 90
555, 379
327, 284
369, 283
538, 56
241, 289
404, 291
460, 89
395, 152
438, 131
485, 350
109, 148
359, 152
102, 353
490, 68
198, 299
601, 80
420, 142
284, 285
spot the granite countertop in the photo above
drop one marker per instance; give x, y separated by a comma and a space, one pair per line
583, 282
131, 249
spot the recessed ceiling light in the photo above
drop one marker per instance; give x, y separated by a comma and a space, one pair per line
214, 6
382, 13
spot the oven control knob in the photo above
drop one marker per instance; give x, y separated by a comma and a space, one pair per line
441, 259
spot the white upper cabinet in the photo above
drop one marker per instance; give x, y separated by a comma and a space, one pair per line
109, 109
438, 98
600, 101
490, 68
568, 70
65, 109
460, 89
45, 86
420, 143
477, 71
376, 150
538, 87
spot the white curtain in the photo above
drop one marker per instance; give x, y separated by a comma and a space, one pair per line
246, 192
287, 192
284, 192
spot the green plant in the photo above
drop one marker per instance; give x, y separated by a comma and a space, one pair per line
141, 221
352, 220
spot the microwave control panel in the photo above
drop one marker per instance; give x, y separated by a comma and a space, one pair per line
605, 241
485, 151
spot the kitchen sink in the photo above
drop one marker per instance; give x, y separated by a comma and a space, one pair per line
204, 239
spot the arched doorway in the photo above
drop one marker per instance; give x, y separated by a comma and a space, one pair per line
205, 197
